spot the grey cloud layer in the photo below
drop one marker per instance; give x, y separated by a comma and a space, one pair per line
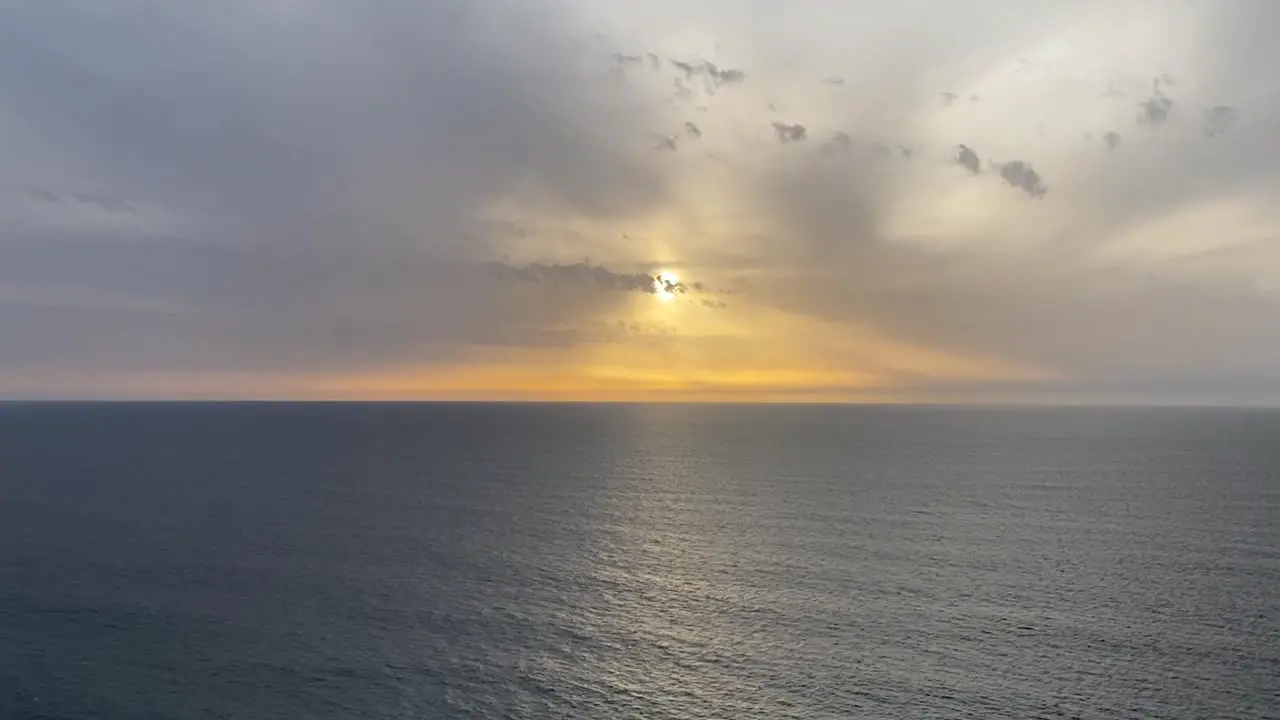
333, 167
330, 164
155, 304
274, 120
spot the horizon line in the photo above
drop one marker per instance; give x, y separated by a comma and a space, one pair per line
916, 404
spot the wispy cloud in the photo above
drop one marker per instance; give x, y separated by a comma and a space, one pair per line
789, 132
1155, 109
585, 274
1218, 120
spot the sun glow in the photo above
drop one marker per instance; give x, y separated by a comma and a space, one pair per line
666, 285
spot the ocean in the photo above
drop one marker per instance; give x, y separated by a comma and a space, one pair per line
271, 561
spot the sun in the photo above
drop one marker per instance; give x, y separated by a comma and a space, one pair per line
666, 285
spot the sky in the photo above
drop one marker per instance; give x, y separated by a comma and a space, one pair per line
723, 200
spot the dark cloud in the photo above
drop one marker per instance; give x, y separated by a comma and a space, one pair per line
42, 194
669, 286
1218, 120
622, 63
587, 275
967, 158
786, 132
726, 76
1021, 175
1155, 110
688, 68
713, 76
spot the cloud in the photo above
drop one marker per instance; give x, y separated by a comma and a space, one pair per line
105, 201
967, 158
1052, 287
270, 144
786, 132
98, 200
1021, 175
584, 274
336, 172
336, 192
1154, 111
688, 68
840, 142
129, 304
42, 194
1218, 120
714, 77
727, 76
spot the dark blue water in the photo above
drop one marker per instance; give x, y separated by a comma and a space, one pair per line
456, 561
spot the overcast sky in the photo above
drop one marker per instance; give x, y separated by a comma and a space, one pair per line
982, 201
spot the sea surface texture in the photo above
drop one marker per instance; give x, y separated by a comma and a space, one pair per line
616, 562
